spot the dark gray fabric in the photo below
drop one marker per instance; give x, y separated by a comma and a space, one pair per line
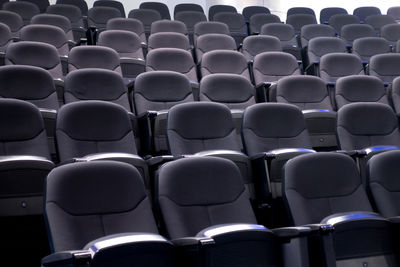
378, 21
365, 11
157, 6
300, 10
55, 20
172, 59
315, 30
317, 185
160, 90
187, 7
96, 84
361, 125
306, 92
126, 44
85, 201
213, 41
190, 18
168, 40
81, 4
233, 90
256, 44
41, 4
358, 88
284, 32
25, 9
351, 32
209, 27
235, 21
272, 66
367, 47
214, 9
328, 12
391, 33
319, 46
300, 20
12, 20
339, 20
5, 37
127, 24
332, 66
196, 193
146, 16
268, 126
383, 173
224, 61
258, 20
394, 11
89, 127
384, 66
99, 15
396, 95
115, 4
168, 26
249, 11
73, 13
28, 83
199, 126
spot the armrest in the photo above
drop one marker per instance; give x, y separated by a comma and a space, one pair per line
281, 153
344, 217
222, 229
310, 68
159, 160
58, 82
67, 258
122, 157
7, 162
312, 113
218, 152
293, 232
370, 151
48, 113
353, 153
129, 60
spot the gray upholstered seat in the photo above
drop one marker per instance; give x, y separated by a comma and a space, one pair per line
146, 16
55, 20
394, 11
213, 41
378, 21
190, 18
319, 46
157, 6
327, 12
351, 32
258, 20
384, 66
300, 10
315, 30
365, 11
127, 44
5, 39
332, 66
214, 9
127, 24
41, 4
168, 40
209, 27
396, 95
13, 21
25, 9
249, 11
367, 47
391, 33
236, 23
300, 20
339, 20
257, 44
166, 25
115, 4
81, 4
286, 34
99, 15
187, 7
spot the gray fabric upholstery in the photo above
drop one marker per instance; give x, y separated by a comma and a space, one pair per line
391, 33
358, 88
127, 44
86, 201
364, 11
300, 20
361, 125
384, 66
99, 15
396, 95
146, 16
190, 18
82, 57
127, 24
168, 40
351, 32
272, 66
96, 84
300, 10
339, 20
172, 59
315, 30
383, 173
115, 4
332, 66
233, 90
249, 11
394, 11
187, 7
160, 90
328, 12
12, 20
22, 129
73, 13
306, 92
224, 61
256, 44
317, 185
168, 26
157, 6
5, 37
196, 193
55, 20
41, 4
284, 32
89, 127
378, 21
35, 54
319, 46
28, 83
269, 126
209, 27
25, 9
236, 23
81, 4
48, 34
367, 47
214, 9
213, 41
258, 20
199, 126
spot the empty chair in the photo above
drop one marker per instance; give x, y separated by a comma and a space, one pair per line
332, 66
115, 4
213, 41
351, 32
384, 66
378, 21
146, 16
249, 11
190, 18
391, 33
99, 15
168, 26
209, 27
339, 20
300, 10
58, 21
173, 59
25, 9
300, 20
258, 20
13, 21
254, 45
366, 11
128, 24
168, 40
157, 6
328, 12
367, 47
41, 4
315, 30
395, 94
394, 11
96, 84
356, 88
214, 9
236, 23
81, 4
5, 40
192, 7
224, 61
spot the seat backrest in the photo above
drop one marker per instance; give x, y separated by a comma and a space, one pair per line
73, 13
12, 20
55, 20
284, 32
41, 4
384, 66
28, 83
88, 200
361, 125
214, 194
257, 44
25, 9
269, 126
99, 15
81, 4
161, 90
272, 66
192, 7
235, 21
125, 43
394, 11
213, 41
249, 11
317, 185
366, 47
300, 10
90, 127
233, 90
214, 9
127, 24
35, 54
391, 32
351, 32
224, 61
23, 131
339, 20
209, 27
258, 20
146, 16
300, 20
358, 88
328, 12
5, 37
173, 59
306, 92
168, 26
168, 40
199, 126
332, 66
396, 95
319, 46
48, 34
115, 4
190, 18
157, 6
365, 11
315, 30
378, 21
